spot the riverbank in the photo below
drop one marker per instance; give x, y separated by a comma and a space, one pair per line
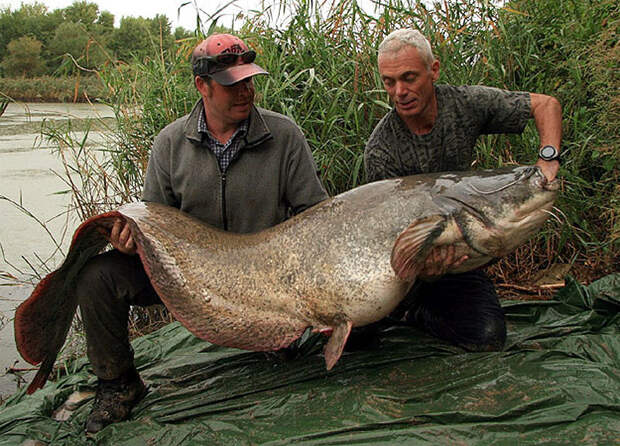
85, 88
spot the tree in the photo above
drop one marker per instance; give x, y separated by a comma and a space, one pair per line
161, 31
140, 37
24, 57
83, 35
131, 38
82, 12
73, 44
10, 30
182, 33
32, 20
105, 22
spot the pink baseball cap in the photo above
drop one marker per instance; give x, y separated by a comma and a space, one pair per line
225, 58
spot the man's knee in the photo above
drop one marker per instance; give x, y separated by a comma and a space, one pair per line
482, 326
110, 275
113, 278
468, 328
463, 309
490, 335
98, 272
93, 276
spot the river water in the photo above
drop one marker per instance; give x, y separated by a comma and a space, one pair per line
28, 177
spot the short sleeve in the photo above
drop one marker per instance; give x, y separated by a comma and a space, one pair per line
503, 111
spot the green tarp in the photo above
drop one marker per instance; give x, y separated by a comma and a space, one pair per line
557, 382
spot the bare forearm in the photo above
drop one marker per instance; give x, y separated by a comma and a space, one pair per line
547, 113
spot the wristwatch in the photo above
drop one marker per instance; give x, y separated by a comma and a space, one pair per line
549, 153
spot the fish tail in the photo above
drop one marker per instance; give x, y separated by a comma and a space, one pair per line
41, 377
43, 320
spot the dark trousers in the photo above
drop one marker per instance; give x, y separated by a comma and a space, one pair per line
460, 308
107, 286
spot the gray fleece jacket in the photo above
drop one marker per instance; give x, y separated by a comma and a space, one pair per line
272, 177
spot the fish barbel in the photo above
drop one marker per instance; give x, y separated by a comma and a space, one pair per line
348, 261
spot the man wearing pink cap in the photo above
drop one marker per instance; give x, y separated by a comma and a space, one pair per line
229, 163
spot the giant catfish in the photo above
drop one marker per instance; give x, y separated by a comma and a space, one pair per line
348, 261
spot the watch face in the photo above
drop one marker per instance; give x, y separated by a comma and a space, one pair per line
548, 152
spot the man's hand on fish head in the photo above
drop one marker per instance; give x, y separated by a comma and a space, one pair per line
549, 168
439, 261
120, 238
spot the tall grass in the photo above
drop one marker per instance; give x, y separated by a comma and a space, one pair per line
322, 66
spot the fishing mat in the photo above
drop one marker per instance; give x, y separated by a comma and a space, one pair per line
557, 382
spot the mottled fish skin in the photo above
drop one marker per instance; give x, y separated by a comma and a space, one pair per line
346, 262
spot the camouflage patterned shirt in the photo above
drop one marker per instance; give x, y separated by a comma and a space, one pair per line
464, 113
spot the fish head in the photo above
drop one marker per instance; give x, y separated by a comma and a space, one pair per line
498, 212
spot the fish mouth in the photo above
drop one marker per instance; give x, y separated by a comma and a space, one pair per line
553, 185
539, 207
543, 183
535, 209
533, 218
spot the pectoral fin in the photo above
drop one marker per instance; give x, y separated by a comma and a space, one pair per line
336, 343
413, 245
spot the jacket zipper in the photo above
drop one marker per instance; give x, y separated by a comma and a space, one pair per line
224, 177
224, 202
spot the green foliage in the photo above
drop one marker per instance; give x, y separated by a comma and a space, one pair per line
30, 20
54, 89
106, 21
82, 36
182, 33
74, 49
82, 12
140, 38
24, 58
570, 49
323, 75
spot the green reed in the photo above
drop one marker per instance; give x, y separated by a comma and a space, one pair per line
322, 65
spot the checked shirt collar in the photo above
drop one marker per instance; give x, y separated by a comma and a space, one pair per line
227, 151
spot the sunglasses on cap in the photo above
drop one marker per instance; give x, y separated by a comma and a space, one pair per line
207, 65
